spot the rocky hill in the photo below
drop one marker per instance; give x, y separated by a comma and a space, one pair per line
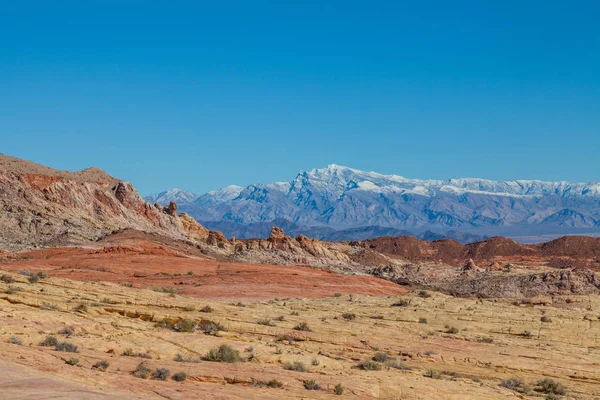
45, 207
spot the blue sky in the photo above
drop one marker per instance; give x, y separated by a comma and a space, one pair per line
205, 94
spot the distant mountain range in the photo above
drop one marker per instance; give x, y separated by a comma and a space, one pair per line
341, 203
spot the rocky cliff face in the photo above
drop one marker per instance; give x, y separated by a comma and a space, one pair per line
40, 206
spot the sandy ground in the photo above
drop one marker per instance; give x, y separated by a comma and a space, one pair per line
494, 340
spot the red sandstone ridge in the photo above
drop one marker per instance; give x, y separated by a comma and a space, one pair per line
47, 207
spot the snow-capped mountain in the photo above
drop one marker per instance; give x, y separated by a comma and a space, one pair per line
341, 198
177, 195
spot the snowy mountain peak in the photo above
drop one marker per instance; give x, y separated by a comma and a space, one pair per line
176, 194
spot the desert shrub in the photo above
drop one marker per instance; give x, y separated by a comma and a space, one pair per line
284, 338
145, 355
295, 366
108, 300
432, 373
72, 361
49, 341
380, 357
422, 320
161, 374
12, 290
550, 386
280, 318
142, 371
127, 284
424, 294
311, 385
128, 352
546, 318
223, 354
209, 327
24, 272
339, 389
525, 334
337, 294
302, 326
265, 321
451, 374
349, 316
165, 323
185, 325
274, 383
315, 361
515, 384
484, 339
397, 364
67, 331
180, 358
33, 279
401, 303
179, 377
240, 304
7, 279
101, 365
295, 313
377, 317
206, 309
370, 365
452, 330
163, 289
15, 340
66, 347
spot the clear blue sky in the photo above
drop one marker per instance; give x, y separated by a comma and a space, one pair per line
205, 94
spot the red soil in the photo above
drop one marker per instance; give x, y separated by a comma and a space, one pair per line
147, 263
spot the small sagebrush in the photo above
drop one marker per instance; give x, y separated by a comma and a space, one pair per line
274, 383
223, 354
49, 341
302, 326
15, 340
142, 371
179, 377
101, 365
370, 365
72, 361
338, 390
295, 366
67, 347
311, 385
401, 303
161, 374
349, 316
432, 373
550, 386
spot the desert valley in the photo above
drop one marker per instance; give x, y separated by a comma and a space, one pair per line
106, 296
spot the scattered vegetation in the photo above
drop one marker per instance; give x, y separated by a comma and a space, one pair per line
161, 374
349, 316
452, 330
550, 387
128, 352
484, 339
311, 385
432, 373
280, 318
179, 377
210, 328
265, 321
315, 362
15, 340
339, 389
33, 279
380, 357
223, 354
370, 365
422, 320
295, 366
185, 325
274, 383
546, 318
206, 309
424, 294
515, 384
401, 303
67, 347
142, 371
295, 313
337, 294
302, 326
72, 361
81, 308
101, 365
49, 341
67, 331
7, 279
163, 289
